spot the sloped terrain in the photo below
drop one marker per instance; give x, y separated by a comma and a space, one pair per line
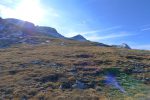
71, 70
38, 63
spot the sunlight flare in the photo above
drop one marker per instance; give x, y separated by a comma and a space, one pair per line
30, 10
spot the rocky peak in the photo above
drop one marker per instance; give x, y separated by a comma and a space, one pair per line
79, 38
123, 45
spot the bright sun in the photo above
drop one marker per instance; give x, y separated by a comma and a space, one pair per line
29, 10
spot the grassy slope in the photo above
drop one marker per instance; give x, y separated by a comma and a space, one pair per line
22, 67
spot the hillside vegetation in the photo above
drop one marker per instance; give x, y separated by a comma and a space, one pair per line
71, 70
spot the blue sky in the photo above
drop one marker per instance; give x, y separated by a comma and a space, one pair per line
106, 21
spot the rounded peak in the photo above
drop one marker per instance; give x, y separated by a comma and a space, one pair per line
79, 35
79, 38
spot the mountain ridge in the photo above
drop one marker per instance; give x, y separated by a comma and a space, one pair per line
15, 31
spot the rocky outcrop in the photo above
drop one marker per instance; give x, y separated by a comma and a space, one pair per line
48, 31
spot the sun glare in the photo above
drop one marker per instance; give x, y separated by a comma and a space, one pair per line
30, 10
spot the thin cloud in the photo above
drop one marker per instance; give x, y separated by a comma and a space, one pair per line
147, 25
9, 11
51, 12
111, 28
145, 29
143, 47
70, 34
6, 11
91, 32
110, 36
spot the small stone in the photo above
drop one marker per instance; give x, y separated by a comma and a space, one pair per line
98, 88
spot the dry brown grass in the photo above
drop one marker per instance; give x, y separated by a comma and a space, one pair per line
19, 73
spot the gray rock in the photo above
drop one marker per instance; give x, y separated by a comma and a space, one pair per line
79, 85
98, 88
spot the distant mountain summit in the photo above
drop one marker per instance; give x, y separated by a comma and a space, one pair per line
123, 45
79, 38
